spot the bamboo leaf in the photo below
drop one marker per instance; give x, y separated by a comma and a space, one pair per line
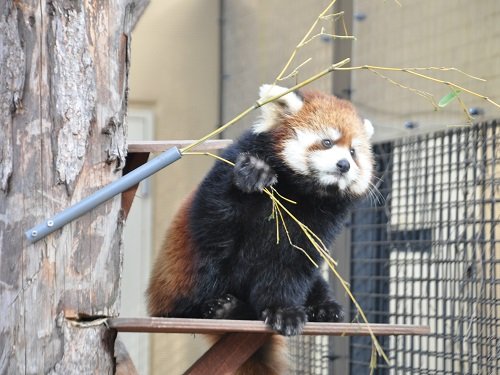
448, 98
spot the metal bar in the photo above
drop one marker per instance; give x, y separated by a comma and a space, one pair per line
71, 213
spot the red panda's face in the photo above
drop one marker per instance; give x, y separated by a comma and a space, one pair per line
321, 137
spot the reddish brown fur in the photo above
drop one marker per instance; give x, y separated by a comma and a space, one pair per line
320, 111
172, 274
172, 278
173, 270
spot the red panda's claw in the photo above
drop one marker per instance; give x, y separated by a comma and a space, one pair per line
287, 321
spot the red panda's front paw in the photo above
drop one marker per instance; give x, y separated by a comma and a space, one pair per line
220, 308
287, 321
329, 311
252, 174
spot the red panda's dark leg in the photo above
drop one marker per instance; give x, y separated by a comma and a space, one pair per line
320, 304
228, 307
279, 297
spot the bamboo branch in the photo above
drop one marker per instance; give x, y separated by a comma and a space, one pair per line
416, 72
278, 207
319, 246
260, 103
306, 36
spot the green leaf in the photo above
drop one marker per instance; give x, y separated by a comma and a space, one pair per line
448, 98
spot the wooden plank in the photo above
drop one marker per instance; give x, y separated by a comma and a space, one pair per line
211, 326
228, 354
160, 146
134, 160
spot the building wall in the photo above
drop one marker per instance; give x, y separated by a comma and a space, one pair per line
258, 39
422, 33
425, 33
174, 73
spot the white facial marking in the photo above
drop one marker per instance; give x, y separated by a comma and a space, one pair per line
322, 164
368, 127
290, 103
356, 143
362, 182
291, 100
296, 150
333, 134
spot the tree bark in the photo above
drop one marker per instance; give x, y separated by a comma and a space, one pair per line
63, 98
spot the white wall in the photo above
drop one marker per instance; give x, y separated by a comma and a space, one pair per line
137, 237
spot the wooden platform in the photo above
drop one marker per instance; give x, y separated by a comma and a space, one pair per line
241, 338
216, 326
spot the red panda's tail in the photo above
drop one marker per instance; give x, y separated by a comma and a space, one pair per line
269, 359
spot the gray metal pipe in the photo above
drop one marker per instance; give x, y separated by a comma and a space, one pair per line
116, 187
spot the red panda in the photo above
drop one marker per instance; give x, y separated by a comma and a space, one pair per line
221, 259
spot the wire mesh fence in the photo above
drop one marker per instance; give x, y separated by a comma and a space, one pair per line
310, 354
426, 251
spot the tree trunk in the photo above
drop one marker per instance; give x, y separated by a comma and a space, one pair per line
63, 97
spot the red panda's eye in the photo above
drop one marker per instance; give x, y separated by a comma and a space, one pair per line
352, 151
327, 143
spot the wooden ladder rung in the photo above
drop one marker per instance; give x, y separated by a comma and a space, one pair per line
215, 326
159, 146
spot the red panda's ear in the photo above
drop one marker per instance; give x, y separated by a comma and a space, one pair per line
368, 127
288, 104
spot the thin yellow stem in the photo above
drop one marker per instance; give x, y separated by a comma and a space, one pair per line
470, 120
296, 70
454, 85
220, 129
209, 154
345, 285
281, 196
275, 214
373, 360
260, 103
331, 68
415, 72
311, 236
306, 36
344, 24
426, 95
289, 238
447, 69
332, 36
334, 16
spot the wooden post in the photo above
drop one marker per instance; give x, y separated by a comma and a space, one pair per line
63, 98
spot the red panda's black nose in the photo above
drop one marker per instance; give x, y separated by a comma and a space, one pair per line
343, 165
